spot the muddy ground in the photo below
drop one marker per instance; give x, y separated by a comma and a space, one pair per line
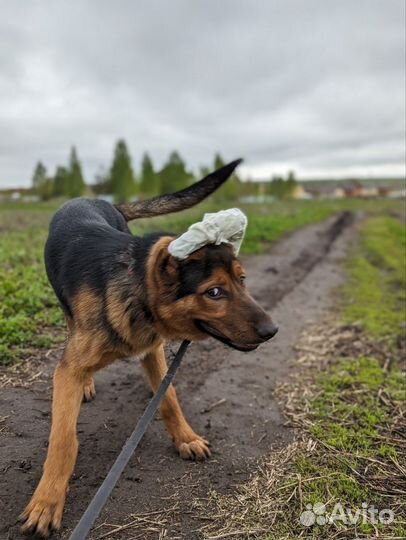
294, 282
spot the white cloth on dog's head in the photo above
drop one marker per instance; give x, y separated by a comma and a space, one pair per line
226, 226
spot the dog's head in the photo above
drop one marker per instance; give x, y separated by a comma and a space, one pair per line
205, 295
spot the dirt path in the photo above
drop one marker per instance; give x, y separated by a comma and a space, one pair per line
294, 282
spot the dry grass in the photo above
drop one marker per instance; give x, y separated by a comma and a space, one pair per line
30, 370
310, 470
147, 523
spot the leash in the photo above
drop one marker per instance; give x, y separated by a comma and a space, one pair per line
99, 500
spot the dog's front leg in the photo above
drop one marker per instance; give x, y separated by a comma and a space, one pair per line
44, 512
188, 443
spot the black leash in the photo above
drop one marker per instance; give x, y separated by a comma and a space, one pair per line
99, 500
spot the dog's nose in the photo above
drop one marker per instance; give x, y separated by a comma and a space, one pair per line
267, 331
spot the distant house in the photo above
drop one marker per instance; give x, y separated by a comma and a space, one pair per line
352, 189
369, 192
383, 191
348, 190
300, 193
320, 190
397, 194
338, 193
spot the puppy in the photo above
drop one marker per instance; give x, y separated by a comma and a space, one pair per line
122, 296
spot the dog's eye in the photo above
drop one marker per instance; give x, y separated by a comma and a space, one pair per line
215, 292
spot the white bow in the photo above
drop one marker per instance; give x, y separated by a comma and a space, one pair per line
226, 226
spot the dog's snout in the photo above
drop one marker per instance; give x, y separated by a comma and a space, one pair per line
267, 330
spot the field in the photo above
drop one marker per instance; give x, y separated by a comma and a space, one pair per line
29, 314
311, 420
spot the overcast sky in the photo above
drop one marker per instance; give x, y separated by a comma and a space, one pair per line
313, 85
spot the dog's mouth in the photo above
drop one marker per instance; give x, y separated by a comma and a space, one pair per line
207, 329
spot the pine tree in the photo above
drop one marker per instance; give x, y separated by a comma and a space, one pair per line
42, 185
121, 173
61, 180
174, 175
218, 162
75, 185
291, 183
281, 188
204, 171
231, 189
149, 178
39, 176
102, 185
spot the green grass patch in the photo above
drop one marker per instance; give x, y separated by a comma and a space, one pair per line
28, 307
355, 462
375, 293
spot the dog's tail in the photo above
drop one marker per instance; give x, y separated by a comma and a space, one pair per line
181, 200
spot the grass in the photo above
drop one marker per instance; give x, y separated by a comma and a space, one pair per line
375, 294
360, 400
355, 418
347, 403
28, 307
29, 314
360, 418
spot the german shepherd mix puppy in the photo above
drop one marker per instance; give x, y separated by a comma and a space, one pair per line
123, 295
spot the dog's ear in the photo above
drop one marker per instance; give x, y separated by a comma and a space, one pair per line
162, 267
170, 269
166, 267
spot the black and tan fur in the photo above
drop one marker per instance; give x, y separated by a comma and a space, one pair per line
124, 295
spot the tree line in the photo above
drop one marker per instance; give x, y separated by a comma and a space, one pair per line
124, 183
67, 182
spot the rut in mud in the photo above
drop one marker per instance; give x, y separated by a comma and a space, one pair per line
294, 282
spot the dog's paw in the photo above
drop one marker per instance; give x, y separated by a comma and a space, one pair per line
194, 447
89, 390
42, 515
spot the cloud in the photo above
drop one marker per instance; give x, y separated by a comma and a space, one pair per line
317, 86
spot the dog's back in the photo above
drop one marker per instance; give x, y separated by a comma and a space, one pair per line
82, 235
87, 236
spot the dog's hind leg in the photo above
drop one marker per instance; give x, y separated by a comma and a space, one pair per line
188, 443
44, 512
89, 388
